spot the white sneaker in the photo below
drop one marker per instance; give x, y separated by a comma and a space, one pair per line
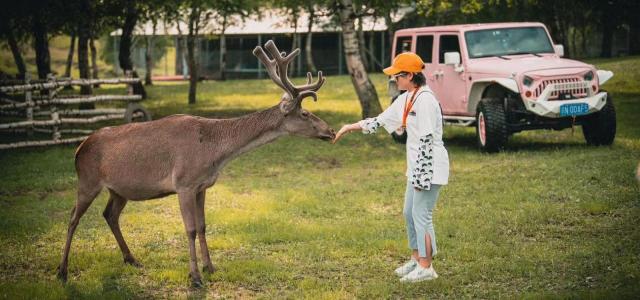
420, 274
407, 267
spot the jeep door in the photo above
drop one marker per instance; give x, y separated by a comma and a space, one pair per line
448, 81
426, 50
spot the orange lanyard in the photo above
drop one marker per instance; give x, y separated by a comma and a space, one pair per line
407, 109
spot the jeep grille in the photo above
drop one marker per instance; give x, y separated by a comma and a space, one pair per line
573, 86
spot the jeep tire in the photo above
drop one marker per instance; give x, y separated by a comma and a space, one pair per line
132, 110
492, 131
600, 128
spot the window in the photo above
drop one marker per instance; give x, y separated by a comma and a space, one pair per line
448, 43
507, 41
424, 48
403, 44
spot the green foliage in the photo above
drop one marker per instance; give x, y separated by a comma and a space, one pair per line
548, 218
160, 45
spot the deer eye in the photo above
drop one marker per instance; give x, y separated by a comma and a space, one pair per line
305, 114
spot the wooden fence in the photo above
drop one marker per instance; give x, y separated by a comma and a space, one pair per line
34, 107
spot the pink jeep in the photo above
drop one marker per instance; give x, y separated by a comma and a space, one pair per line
509, 77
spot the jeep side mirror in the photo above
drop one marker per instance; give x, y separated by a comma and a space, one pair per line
559, 50
452, 58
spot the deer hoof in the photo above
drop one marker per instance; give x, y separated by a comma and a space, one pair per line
132, 261
196, 281
209, 269
62, 275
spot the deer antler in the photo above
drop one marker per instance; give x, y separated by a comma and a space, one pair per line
277, 70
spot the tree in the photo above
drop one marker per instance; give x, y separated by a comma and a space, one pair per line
196, 9
157, 10
86, 12
224, 10
13, 33
292, 9
311, 10
131, 10
41, 44
43, 18
365, 89
72, 47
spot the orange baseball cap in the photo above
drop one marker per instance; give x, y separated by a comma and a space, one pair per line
405, 62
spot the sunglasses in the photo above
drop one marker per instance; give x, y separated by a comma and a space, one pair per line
399, 75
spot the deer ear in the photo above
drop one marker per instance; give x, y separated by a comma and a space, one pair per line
287, 106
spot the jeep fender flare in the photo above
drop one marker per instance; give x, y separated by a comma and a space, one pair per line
603, 76
478, 87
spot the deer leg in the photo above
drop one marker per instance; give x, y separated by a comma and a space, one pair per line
188, 209
85, 198
201, 229
112, 214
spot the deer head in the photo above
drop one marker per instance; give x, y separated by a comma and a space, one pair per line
298, 121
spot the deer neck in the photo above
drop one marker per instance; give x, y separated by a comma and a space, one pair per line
251, 131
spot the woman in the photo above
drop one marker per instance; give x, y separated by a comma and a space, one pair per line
417, 112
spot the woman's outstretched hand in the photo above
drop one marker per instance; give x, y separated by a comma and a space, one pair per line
344, 130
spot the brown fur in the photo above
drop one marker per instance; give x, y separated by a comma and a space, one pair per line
183, 155
179, 154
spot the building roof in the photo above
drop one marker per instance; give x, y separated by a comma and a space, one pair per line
271, 21
468, 27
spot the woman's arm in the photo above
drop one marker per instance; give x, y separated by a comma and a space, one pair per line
428, 114
346, 129
390, 119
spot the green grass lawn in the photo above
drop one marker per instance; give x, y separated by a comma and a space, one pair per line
549, 217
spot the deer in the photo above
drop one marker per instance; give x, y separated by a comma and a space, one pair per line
183, 155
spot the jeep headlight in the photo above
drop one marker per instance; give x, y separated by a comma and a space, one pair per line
588, 76
527, 81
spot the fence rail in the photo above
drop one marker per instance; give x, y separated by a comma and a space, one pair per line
43, 111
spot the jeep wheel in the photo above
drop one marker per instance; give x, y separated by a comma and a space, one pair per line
136, 113
600, 128
491, 125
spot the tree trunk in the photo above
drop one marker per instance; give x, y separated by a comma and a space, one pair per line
634, 37
585, 50
311, 67
294, 44
371, 48
17, 56
563, 30
607, 23
83, 62
194, 18
223, 49
574, 42
606, 47
94, 63
148, 56
362, 44
364, 87
390, 29
72, 46
41, 45
147, 61
180, 49
124, 56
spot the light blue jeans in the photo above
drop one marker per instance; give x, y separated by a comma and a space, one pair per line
418, 214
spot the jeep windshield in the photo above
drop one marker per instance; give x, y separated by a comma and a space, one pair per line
507, 41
